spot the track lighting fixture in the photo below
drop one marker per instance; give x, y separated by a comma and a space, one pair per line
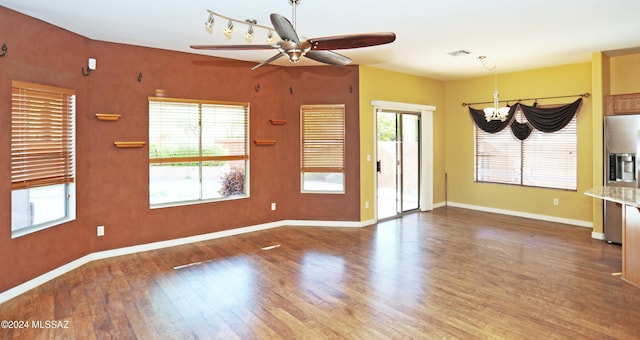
228, 30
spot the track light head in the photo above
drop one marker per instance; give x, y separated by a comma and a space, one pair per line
208, 26
229, 29
249, 34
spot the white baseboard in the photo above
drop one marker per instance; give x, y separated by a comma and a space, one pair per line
180, 241
586, 224
33, 283
340, 224
439, 205
597, 236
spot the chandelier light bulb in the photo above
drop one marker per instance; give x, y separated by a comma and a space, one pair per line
496, 112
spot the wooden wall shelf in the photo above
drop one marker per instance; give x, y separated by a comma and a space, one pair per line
278, 121
129, 144
107, 116
264, 141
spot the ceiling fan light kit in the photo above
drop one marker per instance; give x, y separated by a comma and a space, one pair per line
291, 46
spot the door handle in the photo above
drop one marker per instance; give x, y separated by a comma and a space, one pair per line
379, 166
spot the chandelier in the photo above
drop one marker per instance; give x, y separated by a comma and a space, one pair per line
496, 112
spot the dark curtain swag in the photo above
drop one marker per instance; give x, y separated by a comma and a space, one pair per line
543, 119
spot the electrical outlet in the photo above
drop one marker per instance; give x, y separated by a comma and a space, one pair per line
100, 230
556, 201
273, 206
366, 204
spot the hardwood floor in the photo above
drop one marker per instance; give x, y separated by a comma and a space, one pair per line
450, 273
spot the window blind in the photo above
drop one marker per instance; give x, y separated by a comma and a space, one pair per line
498, 157
543, 160
42, 135
323, 138
183, 130
550, 159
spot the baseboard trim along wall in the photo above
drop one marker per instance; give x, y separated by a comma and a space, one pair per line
586, 224
439, 205
33, 283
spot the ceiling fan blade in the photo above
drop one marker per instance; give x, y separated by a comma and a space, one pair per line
352, 41
328, 57
284, 28
268, 61
233, 47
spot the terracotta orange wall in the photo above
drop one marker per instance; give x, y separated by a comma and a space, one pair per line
323, 85
112, 184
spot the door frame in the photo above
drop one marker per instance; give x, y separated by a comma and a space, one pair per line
426, 148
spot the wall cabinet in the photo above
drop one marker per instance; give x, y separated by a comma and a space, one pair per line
621, 104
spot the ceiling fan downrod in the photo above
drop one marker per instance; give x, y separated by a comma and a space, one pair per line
294, 4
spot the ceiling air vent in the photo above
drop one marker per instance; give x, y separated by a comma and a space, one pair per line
459, 53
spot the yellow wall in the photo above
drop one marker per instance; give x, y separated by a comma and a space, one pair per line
600, 82
453, 132
377, 84
555, 81
625, 74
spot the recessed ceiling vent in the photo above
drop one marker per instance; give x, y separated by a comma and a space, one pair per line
459, 53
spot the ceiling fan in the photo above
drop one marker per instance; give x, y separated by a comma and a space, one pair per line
318, 49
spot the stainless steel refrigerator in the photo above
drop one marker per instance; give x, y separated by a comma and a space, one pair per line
621, 134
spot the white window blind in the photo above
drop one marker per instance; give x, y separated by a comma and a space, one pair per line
542, 160
323, 138
322, 145
194, 131
42, 135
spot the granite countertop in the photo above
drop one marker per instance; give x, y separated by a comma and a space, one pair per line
629, 196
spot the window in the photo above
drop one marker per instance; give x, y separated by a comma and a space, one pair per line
198, 151
42, 157
322, 148
543, 160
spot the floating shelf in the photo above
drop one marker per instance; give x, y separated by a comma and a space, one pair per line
278, 121
264, 141
107, 116
129, 144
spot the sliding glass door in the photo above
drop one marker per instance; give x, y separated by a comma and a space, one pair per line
398, 163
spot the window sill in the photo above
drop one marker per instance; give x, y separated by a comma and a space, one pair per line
188, 203
30, 230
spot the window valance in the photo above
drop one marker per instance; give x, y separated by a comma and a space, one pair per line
543, 119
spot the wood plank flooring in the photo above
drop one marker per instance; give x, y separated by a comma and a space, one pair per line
449, 273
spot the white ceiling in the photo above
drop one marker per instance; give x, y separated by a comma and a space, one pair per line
513, 34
